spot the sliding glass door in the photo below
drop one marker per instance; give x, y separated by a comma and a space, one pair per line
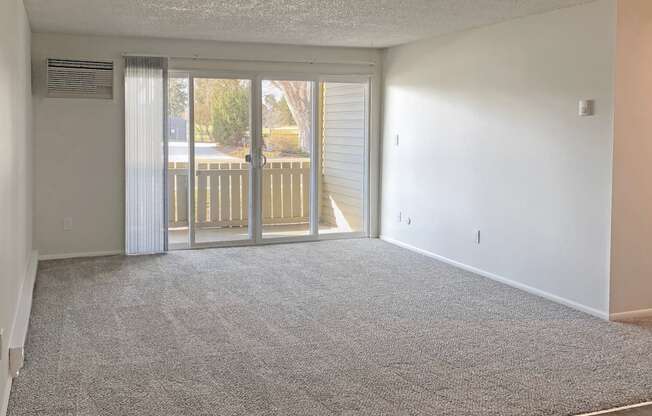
209, 152
256, 159
287, 143
221, 126
178, 169
343, 161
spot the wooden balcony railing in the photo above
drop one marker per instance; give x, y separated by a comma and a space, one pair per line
222, 193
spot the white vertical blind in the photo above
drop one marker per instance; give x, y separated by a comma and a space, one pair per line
145, 154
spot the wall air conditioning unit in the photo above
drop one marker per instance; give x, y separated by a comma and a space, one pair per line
75, 78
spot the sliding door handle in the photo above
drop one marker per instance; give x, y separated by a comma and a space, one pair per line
263, 158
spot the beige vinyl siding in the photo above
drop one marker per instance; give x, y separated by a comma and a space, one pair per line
343, 148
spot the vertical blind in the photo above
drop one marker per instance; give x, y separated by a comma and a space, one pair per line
145, 154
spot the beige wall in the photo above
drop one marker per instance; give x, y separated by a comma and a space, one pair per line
631, 268
15, 168
490, 139
79, 144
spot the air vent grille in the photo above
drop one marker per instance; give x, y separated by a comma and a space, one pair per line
80, 79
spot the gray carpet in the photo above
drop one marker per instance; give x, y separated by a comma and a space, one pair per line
355, 327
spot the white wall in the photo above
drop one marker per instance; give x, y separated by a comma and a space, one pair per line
79, 144
15, 169
631, 268
490, 139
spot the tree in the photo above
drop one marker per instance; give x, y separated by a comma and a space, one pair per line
178, 97
276, 113
297, 94
230, 112
203, 96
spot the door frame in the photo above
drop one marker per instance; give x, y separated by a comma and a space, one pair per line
255, 177
252, 206
366, 186
314, 193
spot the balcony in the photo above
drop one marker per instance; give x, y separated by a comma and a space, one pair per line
222, 201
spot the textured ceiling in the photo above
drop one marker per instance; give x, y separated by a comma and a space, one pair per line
369, 23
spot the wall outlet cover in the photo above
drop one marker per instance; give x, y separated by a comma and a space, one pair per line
586, 108
16, 360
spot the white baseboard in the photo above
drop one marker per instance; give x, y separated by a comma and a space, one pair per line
24, 307
78, 255
21, 319
631, 315
4, 404
509, 282
618, 409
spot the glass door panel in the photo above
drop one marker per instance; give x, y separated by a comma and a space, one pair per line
343, 137
178, 150
287, 135
221, 149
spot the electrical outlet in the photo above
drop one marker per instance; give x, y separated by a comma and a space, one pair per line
67, 224
586, 108
477, 236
